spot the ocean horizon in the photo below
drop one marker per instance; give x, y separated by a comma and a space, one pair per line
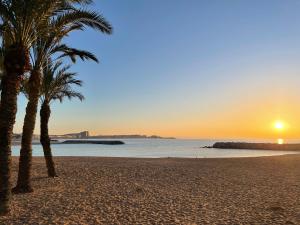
156, 148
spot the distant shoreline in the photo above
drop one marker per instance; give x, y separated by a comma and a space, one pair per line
85, 135
114, 137
56, 138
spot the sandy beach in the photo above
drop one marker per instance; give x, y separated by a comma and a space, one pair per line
262, 190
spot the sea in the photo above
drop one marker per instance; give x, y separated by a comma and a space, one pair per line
151, 148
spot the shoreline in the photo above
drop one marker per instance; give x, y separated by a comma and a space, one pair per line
106, 190
170, 157
284, 153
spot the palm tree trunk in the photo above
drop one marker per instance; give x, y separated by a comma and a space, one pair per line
14, 63
25, 160
45, 139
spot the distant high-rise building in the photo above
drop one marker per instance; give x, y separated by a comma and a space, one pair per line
84, 134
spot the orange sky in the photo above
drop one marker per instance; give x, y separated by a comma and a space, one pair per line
245, 115
230, 71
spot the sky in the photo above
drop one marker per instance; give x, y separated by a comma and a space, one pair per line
187, 69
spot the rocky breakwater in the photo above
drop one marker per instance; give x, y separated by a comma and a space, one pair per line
114, 142
256, 146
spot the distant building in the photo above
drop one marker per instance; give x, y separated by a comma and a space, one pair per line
80, 135
84, 134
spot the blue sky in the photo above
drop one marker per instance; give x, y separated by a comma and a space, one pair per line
184, 68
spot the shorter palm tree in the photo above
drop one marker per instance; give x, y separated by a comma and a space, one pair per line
57, 84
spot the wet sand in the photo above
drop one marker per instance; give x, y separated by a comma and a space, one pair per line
262, 190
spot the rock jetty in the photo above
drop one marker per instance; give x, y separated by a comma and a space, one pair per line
258, 146
93, 142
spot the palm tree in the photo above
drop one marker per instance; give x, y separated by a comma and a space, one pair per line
56, 85
47, 52
21, 23
18, 22
44, 47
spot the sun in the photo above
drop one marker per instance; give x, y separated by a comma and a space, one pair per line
279, 125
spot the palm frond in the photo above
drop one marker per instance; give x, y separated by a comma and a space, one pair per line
58, 83
83, 17
73, 53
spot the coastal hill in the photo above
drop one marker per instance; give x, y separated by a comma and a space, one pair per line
86, 135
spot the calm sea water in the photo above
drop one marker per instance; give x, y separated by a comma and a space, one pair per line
151, 148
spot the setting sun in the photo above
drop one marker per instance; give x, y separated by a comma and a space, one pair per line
279, 125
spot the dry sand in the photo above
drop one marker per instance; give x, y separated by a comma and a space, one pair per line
162, 191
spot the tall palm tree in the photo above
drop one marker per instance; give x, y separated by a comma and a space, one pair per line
63, 51
21, 23
56, 85
59, 26
18, 22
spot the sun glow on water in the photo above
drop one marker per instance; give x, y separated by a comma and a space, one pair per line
280, 141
